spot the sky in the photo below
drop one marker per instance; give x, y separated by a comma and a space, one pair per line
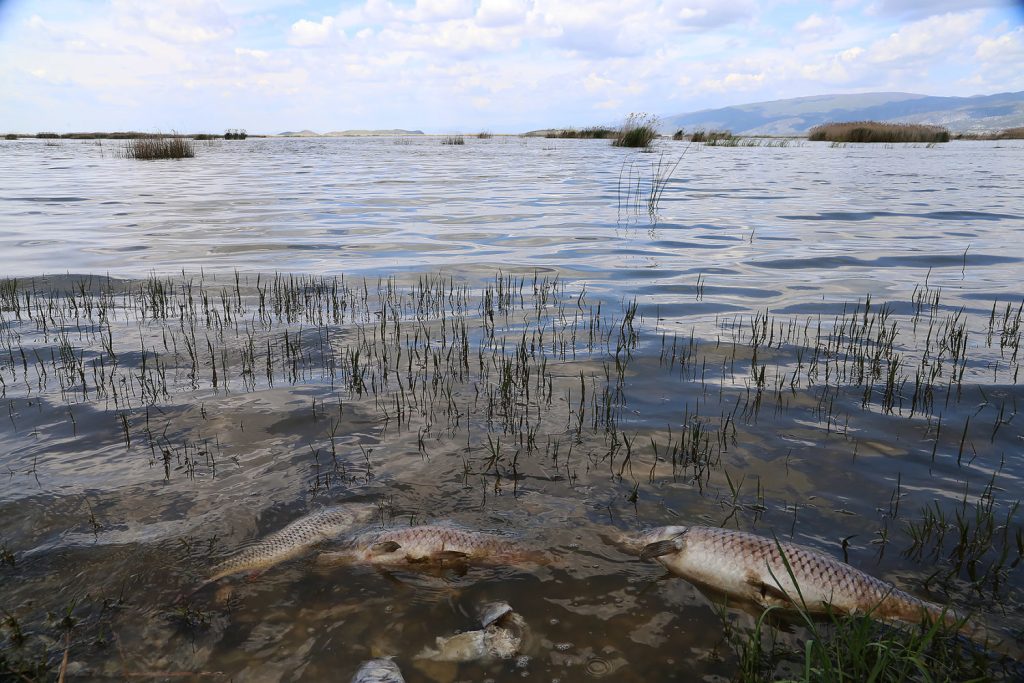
475, 65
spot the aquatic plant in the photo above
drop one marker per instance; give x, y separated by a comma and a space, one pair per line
159, 147
874, 131
11, 136
453, 140
484, 135
235, 134
678, 135
638, 130
47, 136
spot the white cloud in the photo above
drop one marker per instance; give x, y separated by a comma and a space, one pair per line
304, 32
926, 38
495, 13
1008, 47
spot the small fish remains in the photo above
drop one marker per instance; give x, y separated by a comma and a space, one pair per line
293, 540
430, 543
381, 670
500, 638
750, 567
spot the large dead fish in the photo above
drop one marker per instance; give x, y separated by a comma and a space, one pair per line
500, 638
293, 540
381, 670
749, 567
431, 543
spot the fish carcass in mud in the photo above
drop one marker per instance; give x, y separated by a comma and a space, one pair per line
750, 567
293, 540
431, 543
381, 670
501, 637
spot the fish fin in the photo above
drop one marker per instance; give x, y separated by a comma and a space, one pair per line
449, 555
768, 593
658, 548
385, 547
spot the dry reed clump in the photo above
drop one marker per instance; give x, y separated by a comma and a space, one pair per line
638, 130
453, 140
678, 135
11, 136
159, 147
874, 131
1011, 134
484, 135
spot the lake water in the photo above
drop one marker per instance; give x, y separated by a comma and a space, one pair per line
815, 342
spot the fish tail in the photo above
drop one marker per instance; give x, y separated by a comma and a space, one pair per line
971, 628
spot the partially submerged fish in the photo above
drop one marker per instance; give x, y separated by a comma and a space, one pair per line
293, 540
500, 638
751, 567
431, 543
381, 670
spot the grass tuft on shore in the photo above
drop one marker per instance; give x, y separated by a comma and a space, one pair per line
638, 130
874, 131
160, 147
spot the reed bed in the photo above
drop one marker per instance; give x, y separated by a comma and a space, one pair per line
159, 147
874, 131
591, 133
711, 136
453, 140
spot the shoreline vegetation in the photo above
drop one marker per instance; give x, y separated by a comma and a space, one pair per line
639, 130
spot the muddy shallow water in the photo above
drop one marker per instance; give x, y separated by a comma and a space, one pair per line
818, 343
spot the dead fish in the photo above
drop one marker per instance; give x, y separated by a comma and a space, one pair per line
293, 540
750, 567
500, 638
430, 543
381, 670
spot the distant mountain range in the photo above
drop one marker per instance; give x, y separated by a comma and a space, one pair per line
980, 113
347, 133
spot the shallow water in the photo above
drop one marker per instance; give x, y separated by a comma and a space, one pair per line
814, 354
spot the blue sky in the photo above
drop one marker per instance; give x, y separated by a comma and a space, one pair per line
471, 65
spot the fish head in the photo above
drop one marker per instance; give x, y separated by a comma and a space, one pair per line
634, 543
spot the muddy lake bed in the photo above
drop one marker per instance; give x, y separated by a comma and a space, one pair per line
814, 342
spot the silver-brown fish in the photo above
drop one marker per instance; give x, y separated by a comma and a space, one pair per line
293, 540
750, 567
431, 543
381, 670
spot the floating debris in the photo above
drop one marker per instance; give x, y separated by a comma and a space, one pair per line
382, 670
501, 638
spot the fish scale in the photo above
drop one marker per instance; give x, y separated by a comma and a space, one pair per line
429, 542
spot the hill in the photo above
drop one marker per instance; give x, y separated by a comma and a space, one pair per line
979, 113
